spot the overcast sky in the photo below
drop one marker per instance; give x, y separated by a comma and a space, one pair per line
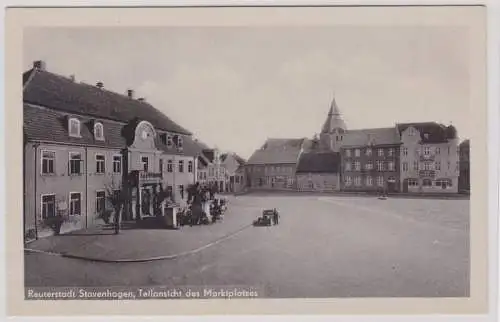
234, 86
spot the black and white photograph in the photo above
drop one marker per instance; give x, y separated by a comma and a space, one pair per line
267, 161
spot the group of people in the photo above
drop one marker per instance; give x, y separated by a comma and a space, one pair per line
200, 199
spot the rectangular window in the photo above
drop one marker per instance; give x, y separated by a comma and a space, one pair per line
75, 163
48, 160
369, 181
390, 166
438, 150
357, 152
117, 164
380, 165
170, 141
380, 152
160, 165
190, 166
181, 191
348, 180
438, 165
427, 183
170, 191
391, 152
357, 181
427, 150
405, 166
100, 202
348, 166
368, 151
357, 166
100, 162
380, 181
170, 166
181, 166
75, 204
405, 151
415, 165
145, 164
348, 153
412, 183
369, 165
428, 166
48, 206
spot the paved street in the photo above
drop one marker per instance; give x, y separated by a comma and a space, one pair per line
324, 246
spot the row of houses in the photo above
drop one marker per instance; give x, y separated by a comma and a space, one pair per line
421, 157
83, 142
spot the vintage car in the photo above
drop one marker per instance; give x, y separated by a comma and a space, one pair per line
266, 219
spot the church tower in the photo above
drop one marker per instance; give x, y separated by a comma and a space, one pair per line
333, 130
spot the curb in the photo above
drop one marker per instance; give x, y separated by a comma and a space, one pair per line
141, 260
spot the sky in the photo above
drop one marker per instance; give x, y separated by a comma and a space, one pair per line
233, 87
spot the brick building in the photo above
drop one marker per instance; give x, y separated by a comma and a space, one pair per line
370, 160
82, 141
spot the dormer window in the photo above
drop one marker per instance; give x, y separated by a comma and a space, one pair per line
169, 140
179, 142
74, 127
411, 131
163, 138
99, 131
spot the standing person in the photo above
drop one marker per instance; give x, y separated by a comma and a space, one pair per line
275, 216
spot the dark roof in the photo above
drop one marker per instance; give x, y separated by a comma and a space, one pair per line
431, 132
57, 92
277, 151
376, 136
319, 162
465, 143
47, 125
209, 154
239, 159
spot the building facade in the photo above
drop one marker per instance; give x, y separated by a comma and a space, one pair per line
234, 179
370, 161
429, 158
464, 176
318, 171
83, 143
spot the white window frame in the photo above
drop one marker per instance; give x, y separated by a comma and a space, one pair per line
69, 203
179, 143
348, 153
101, 126
405, 151
380, 181
170, 141
369, 151
369, 181
181, 166
391, 166
438, 150
190, 166
117, 162
71, 153
357, 181
369, 165
348, 166
348, 180
42, 158
41, 204
103, 161
437, 165
391, 152
357, 166
380, 165
170, 166
78, 123
143, 163
415, 165
96, 200
380, 152
427, 150
405, 166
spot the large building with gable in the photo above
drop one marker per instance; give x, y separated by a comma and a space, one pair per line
408, 157
83, 141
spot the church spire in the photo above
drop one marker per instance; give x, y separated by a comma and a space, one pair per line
334, 119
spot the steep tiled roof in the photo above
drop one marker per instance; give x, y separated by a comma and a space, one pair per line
37, 120
431, 132
377, 136
319, 162
57, 92
277, 151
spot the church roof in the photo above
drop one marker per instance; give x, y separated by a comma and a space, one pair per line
334, 119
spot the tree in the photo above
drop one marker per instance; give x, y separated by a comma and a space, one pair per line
118, 197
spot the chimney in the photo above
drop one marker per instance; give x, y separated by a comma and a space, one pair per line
39, 64
141, 99
99, 84
130, 93
72, 77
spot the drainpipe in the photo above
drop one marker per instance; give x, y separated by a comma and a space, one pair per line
35, 147
87, 187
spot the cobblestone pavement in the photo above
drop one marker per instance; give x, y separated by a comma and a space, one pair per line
324, 246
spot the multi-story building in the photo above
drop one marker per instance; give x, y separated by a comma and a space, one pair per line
318, 171
464, 176
370, 160
429, 158
234, 180
273, 165
83, 142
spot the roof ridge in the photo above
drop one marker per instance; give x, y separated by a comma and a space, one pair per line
30, 77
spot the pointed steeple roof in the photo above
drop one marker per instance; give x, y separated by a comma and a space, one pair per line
334, 119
